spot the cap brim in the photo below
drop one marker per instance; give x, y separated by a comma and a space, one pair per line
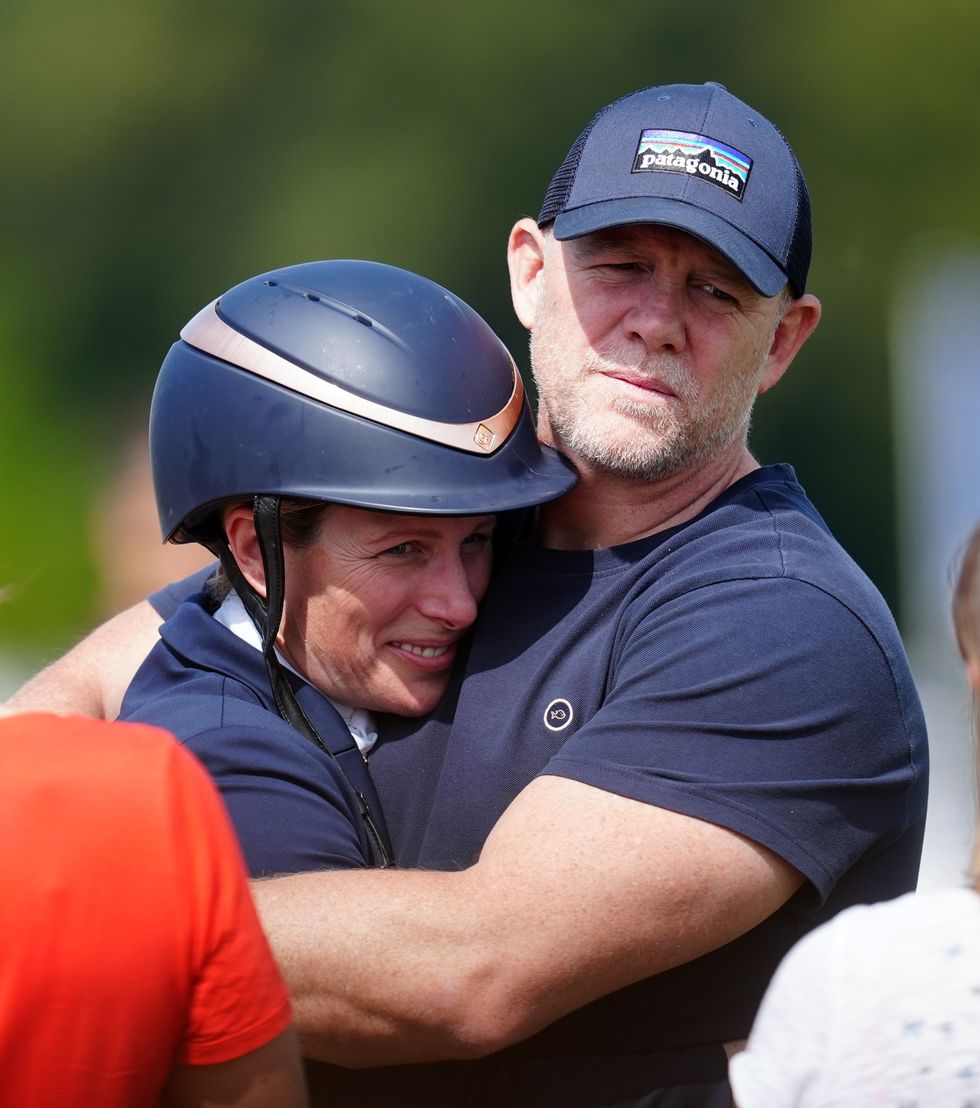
750, 259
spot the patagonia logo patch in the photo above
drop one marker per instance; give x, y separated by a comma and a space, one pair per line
696, 155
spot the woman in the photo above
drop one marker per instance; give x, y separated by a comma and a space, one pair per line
881, 1006
342, 435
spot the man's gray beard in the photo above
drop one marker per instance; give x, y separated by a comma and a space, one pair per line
664, 444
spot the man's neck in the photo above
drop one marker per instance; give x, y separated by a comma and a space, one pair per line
606, 509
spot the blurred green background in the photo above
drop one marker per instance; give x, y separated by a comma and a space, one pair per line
154, 155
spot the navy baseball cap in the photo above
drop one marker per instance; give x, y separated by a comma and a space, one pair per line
696, 158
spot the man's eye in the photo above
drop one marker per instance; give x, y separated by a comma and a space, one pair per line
717, 293
399, 550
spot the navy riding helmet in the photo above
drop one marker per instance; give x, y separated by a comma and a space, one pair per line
344, 381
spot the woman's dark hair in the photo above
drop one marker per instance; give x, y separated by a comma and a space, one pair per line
300, 521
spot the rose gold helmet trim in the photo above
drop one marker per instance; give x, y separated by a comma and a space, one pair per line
208, 332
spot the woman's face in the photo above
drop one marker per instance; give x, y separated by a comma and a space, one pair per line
377, 604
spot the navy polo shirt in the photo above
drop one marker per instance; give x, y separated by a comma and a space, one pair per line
293, 805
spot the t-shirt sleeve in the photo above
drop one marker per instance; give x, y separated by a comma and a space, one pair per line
167, 600
238, 1001
765, 706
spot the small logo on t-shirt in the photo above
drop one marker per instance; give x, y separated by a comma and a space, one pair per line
683, 152
558, 715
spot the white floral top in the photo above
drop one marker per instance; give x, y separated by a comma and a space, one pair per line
880, 1006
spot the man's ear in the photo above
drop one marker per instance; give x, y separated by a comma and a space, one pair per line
525, 260
244, 545
797, 325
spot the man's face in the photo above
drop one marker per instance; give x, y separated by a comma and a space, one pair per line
377, 604
647, 349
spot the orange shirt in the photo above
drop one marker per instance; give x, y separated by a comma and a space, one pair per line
128, 939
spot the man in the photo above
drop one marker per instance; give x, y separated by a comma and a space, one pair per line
686, 732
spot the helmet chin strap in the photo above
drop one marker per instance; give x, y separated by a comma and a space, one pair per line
266, 614
268, 531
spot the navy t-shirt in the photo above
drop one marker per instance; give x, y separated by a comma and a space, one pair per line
739, 668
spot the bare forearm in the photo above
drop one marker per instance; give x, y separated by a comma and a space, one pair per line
61, 688
378, 963
577, 893
91, 679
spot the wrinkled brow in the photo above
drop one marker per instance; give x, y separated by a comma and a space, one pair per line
633, 248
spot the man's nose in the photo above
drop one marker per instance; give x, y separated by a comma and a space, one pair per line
656, 318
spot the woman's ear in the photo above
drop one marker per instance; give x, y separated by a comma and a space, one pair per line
525, 260
243, 543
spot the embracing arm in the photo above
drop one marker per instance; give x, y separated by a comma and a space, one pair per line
578, 892
92, 677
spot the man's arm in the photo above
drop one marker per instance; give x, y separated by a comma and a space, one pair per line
91, 679
578, 892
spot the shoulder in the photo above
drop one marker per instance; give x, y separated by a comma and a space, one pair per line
762, 560
220, 721
199, 702
66, 748
198, 676
211, 691
765, 526
140, 783
166, 600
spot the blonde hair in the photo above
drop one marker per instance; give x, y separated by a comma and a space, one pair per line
966, 621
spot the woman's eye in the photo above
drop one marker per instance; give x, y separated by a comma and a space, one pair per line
479, 538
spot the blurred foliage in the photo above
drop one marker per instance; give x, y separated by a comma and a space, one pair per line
157, 154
